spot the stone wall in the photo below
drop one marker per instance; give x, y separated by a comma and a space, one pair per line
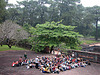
92, 56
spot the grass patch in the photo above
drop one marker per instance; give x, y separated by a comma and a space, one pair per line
5, 48
89, 41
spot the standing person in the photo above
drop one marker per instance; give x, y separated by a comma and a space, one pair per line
73, 54
25, 55
36, 62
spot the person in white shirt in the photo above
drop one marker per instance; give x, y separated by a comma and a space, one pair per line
36, 62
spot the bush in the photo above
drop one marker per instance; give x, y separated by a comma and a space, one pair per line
24, 43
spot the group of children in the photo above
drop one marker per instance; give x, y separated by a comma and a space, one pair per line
53, 64
20, 61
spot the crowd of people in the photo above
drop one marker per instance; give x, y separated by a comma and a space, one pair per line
52, 64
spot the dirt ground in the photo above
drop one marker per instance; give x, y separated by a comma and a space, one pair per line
7, 57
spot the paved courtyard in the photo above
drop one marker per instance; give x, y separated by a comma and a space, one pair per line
7, 57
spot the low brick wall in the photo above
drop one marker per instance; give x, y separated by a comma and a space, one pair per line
92, 56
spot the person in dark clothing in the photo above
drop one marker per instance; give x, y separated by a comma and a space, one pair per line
25, 55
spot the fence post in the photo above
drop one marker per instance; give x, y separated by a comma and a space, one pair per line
95, 58
76, 54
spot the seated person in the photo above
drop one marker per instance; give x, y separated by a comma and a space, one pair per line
69, 62
64, 67
15, 64
45, 70
82, 64
72, 66
24, 62
78, 59
53, 68
76, 65
57, 70
41, 67
28, 66
28, 61
60, 68
73, 60
68, 68
20, 61
88, 62
32, 65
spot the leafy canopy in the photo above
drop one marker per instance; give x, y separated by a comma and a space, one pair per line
2, 10
53, 34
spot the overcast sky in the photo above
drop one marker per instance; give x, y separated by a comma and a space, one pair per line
89, 3
85, 3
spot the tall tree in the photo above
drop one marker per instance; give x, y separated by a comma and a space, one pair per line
83, 21
53, 11
10, 30
2, 10
94, 16
68, 10
34, 12
52, 34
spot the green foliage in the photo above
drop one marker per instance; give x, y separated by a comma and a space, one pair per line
2, 10
33, 12
27, 27
94, 17
98, 32
24, 41
53, 34
89, 41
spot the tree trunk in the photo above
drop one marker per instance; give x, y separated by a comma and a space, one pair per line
9, 45
96, 34
51, 49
